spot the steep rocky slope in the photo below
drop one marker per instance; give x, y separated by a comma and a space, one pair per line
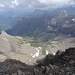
63, 23
31, 26
62, 63
45, 25
16, 47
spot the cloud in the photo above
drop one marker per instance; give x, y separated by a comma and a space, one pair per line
14, 3
36, 4
33, 4
57, 3
45, 3
9, 3
2, 5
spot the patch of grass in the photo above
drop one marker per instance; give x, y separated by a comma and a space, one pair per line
34, 44
20, 42
52, 46
43, 52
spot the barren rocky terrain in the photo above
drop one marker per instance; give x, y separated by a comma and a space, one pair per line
15, 47
62, 63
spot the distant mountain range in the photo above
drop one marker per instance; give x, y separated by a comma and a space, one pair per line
52, 12
9, 18
63, 23
44, 23
7, 22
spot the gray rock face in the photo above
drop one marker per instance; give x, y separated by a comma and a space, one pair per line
63, 63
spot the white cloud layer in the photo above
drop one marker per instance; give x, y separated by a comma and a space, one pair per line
57, 3
36, 3
2, 5
14, 3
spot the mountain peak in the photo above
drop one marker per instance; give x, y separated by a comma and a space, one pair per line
38, 10
63, 14
4, 33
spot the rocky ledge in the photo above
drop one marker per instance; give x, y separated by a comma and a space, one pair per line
62, 63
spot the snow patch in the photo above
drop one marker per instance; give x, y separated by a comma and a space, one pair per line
53, 53
32, 55
37, 53
40, 48
29, 60
69, 35
73, 19
47, 52
36, 48
65, 11
54, 42
19, 37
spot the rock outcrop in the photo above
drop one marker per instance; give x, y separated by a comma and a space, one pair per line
62, 63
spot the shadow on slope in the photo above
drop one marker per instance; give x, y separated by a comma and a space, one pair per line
62, 63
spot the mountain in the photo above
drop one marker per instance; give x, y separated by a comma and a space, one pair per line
44, 25
38, 12
61, 63
7, 22
51, 11
26, 50
8, 18
63, 23
30, 26
15, 48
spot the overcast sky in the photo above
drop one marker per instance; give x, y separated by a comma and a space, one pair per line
33, 4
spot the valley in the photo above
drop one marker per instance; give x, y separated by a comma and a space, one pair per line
32, 38
37, 37
21, 48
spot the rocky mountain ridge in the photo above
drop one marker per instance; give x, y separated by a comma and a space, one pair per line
62, 63
45, 26
16, 47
